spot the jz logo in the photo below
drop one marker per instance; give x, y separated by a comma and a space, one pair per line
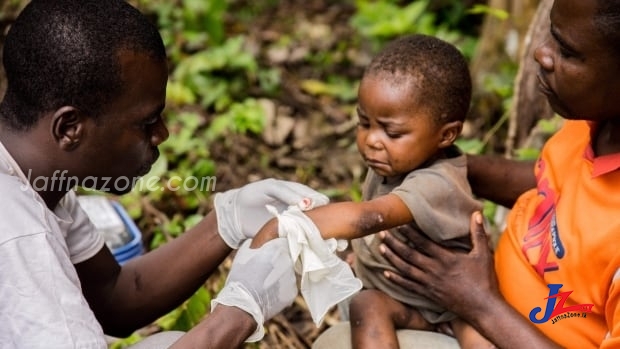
555, 307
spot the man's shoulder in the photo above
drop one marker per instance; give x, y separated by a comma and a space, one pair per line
22, 212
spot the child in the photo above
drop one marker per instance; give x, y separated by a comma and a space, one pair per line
413, 99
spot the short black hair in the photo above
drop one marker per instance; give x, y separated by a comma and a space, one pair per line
66, 52
436, 67
607, 22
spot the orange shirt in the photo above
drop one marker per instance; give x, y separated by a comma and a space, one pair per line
567, 232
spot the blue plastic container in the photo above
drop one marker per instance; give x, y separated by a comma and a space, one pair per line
134, 247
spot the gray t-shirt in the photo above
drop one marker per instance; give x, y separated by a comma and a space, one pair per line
441, 202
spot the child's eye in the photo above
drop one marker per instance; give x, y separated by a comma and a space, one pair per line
363, 124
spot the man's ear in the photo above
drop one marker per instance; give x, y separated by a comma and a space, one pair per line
449, 133
68, 127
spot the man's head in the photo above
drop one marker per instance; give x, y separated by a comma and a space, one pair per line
65, 52
86, 89
412, 101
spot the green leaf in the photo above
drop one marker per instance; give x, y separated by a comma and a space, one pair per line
484, 9
527, 153
470, 146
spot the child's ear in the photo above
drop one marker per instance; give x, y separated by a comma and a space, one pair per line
449, 133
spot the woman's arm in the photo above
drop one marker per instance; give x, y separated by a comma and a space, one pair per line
499, 179
462, 282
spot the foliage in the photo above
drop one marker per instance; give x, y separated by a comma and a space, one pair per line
186, 25
484, 9
189, 314
216, 77
381, 21
243, 117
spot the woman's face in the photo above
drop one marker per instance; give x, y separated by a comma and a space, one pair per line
579, 70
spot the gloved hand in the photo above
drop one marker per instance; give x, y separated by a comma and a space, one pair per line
261, 282
326, 280
241, 212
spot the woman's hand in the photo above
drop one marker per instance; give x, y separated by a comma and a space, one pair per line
457, 280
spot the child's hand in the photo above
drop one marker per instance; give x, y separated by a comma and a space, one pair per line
268, 232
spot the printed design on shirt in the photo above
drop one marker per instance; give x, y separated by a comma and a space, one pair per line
555, 309
543, 231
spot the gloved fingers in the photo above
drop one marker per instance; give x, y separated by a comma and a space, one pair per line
267, 274
293, 193
244, 253
227, 218
273, 258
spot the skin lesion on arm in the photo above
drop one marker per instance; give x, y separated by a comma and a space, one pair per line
348, 220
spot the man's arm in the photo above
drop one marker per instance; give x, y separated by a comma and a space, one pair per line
462, 282
499, 179
261, 283
129, 297
225, 327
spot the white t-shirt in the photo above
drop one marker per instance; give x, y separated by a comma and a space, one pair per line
41, 300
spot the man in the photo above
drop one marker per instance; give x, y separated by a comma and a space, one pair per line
86, 88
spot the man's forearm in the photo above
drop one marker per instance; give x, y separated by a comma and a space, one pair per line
225, 328
498, 179
157, 282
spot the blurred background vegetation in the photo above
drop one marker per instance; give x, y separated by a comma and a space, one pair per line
267, 88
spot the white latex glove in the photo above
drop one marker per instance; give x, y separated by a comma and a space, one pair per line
261, 282
326, 280
242, 212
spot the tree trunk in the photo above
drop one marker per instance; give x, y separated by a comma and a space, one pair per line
501, 44
529, 105
8, 13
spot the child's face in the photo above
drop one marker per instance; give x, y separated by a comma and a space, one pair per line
579, 72
394, 135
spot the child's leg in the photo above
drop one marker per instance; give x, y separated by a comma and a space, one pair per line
374, 318
468, 337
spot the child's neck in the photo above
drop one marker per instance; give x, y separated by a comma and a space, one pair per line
607, 138
449, 152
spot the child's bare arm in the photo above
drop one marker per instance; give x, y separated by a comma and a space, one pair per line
349, 220
269, 231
